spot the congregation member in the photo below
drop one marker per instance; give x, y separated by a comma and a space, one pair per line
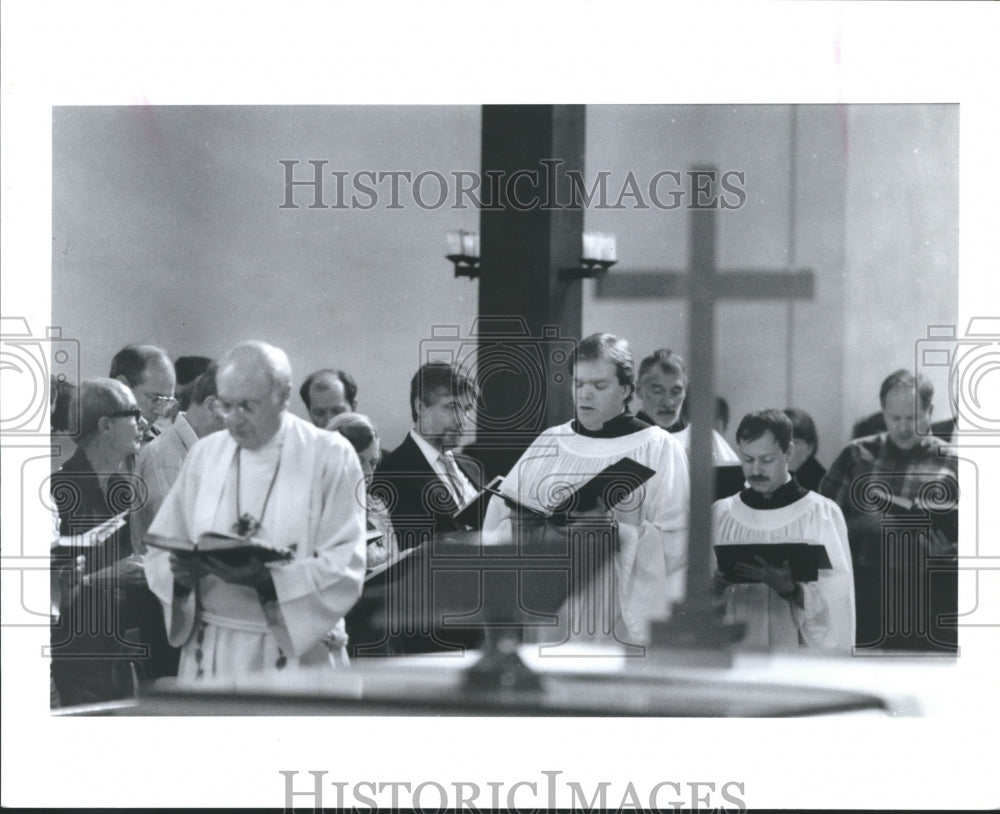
721, 415
426, 478
187, 369
424, 482
805, 442
875, 423
63, 418
277, 478
662, 386
328, 393
159, 462
157, 466
904, 558
92, 656
149, 373
648, 567
779, 613
363, 435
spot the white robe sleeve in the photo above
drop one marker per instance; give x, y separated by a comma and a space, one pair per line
652, 559
320, 586
171, 521
833, 627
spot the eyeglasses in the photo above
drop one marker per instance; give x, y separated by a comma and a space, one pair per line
157, 401
136, 414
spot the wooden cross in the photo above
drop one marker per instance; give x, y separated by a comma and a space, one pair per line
694, 623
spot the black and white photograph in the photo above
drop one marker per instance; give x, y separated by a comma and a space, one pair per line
561, 407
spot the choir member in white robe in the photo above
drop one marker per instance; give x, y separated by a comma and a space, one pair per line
285, 481
662, 386
652, 523
781, 614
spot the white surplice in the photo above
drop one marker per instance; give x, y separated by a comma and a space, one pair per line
316, 507
826, 620
649, 567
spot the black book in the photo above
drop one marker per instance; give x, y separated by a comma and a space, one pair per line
805, 559
227, 548
610, 486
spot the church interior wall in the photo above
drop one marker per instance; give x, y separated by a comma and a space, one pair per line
865, 196
168, 228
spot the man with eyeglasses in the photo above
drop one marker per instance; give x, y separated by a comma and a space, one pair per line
275, 477
93, 493
148, 372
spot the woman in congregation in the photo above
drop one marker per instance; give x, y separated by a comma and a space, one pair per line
803, 464
363, 435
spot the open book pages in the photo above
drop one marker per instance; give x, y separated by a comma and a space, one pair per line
226, 547
96, 536
604, 489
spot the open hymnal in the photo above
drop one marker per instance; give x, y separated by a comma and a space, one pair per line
606, 489
944, 519
226, 547
96, 536
805, 559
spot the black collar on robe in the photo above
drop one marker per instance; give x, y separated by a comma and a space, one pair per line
624, 424
784, 495
677, 426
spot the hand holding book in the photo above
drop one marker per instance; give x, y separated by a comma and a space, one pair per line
225, 548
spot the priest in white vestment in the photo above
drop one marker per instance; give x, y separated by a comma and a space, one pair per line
280, 479
780, 614
652, 522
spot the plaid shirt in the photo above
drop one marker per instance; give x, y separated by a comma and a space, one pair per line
867, 467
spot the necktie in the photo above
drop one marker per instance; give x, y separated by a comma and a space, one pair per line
454, 477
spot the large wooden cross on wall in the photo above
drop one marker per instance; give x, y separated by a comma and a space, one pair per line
702, 285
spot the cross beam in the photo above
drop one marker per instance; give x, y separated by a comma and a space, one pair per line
748, 284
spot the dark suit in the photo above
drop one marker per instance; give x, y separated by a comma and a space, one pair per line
421, 506
419, 502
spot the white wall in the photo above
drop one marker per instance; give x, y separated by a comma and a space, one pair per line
865, 196
168, 228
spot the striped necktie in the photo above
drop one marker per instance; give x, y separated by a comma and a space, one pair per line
454, 477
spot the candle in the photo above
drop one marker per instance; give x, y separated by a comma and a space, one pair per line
610, 248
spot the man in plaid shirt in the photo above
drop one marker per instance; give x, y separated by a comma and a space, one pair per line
898, 491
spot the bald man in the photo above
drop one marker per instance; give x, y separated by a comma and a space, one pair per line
327, 394
277, 478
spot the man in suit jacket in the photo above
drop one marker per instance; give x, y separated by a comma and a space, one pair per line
423, 482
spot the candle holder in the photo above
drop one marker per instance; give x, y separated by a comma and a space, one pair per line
588, 269
466, 265
463, 251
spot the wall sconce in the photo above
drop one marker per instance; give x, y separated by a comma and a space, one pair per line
599, 253
463, 251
